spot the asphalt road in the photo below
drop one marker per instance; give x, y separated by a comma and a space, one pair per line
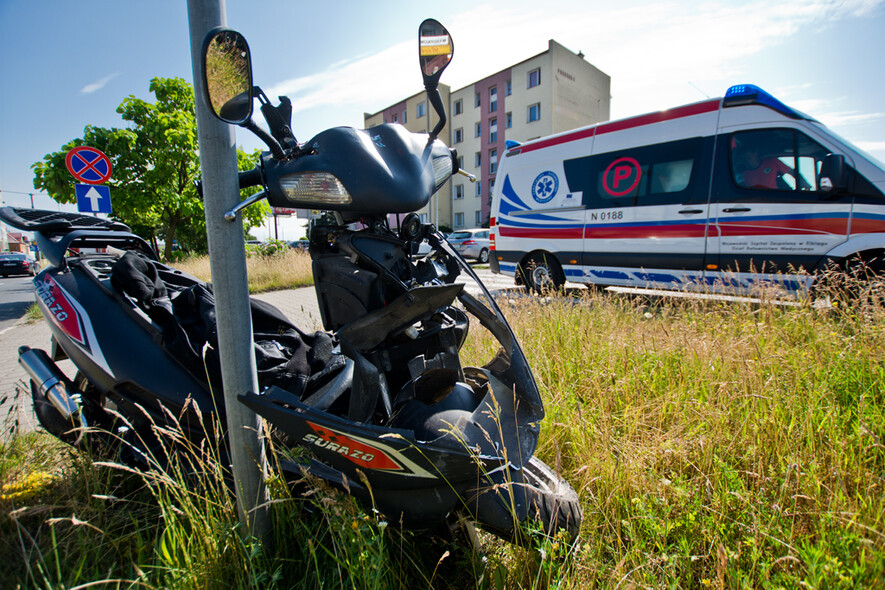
16, 295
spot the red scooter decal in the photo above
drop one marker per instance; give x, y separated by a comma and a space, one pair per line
61, 311
354, 450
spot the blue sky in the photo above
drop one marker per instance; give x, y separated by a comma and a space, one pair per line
70, 64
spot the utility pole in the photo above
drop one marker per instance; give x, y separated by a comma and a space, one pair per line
227, 261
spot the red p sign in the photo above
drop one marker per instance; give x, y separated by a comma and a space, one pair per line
621, 177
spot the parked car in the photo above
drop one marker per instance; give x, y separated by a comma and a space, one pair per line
301, 244
17, 263
471, 243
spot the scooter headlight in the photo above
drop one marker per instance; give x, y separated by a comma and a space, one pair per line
442, 169
315, 188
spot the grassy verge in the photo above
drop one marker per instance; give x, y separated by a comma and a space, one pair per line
282, 269
712, 445
33, 313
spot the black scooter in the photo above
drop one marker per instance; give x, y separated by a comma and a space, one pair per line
380, 400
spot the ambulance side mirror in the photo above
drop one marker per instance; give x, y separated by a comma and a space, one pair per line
833, 175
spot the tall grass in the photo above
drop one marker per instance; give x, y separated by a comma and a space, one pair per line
711, 445
282, 269
715, 445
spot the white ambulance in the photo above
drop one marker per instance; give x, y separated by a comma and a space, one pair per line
723, 195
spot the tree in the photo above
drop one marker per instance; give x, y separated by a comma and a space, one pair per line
155, 161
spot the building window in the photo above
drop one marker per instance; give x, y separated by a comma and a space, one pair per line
534, 78
508, 88
396, 118
459, 220
477, 99
459, 106
459, 191
424, 218
460, 162
508, 120
420, 110
478, 191
493, 161
493, 99
534, 113
477, 159
477, 130
459, 135
493, 131
405, 116
478, 218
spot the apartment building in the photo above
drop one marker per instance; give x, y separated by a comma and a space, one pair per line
552, 92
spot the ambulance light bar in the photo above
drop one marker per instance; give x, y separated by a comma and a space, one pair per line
744, 94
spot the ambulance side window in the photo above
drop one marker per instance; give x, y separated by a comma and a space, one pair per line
782, 160
662, 174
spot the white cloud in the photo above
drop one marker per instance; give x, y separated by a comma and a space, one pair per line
98, 85
842, 119
658, 54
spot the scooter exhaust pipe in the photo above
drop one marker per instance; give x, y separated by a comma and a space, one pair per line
51, 382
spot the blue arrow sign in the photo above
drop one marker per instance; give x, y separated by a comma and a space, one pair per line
93, 198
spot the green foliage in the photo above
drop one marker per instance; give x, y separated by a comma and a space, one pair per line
155, 160
271, 247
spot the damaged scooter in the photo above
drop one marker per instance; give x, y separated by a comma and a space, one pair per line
380, 400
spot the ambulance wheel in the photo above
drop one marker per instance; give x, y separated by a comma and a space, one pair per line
541, 273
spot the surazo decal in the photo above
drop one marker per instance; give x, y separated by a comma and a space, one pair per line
61, 310
365, 453
350, 448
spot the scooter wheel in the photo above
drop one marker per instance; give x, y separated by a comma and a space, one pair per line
553, 503
506, 505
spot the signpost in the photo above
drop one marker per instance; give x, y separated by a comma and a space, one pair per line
93, 198
227, 258
92, 168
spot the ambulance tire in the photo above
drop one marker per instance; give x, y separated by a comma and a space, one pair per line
541, 273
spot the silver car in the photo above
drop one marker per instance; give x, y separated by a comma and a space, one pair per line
471, 243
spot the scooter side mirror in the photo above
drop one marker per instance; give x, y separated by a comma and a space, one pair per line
227, 76
435, 49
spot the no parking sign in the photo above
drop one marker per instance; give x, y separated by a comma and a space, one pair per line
88, 165
91, 167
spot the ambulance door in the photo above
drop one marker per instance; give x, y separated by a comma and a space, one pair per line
647, 209
768, 215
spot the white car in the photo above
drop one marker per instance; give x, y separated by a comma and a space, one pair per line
471, 243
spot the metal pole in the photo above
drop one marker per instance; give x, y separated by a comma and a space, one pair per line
227, 261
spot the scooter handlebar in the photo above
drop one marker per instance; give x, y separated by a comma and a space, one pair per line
245, 179
249, 178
